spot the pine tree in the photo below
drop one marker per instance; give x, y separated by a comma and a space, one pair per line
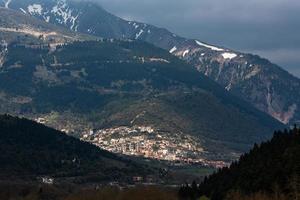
295, 186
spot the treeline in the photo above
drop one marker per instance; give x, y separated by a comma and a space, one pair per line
270, 170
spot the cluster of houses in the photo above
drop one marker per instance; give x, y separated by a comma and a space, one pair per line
148, 142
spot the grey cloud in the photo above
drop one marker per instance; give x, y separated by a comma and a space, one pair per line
262, 26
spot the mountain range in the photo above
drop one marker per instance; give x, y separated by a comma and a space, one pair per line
263, 84
162, 109
94, 84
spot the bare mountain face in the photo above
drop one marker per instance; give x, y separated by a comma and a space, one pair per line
256, 80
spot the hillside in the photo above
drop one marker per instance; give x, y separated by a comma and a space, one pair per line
250, 77
256, 80
30, 150
269, 169
87, 86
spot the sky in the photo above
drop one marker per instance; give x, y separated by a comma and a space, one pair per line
269, 28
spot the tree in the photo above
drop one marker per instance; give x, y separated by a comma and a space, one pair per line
295, 187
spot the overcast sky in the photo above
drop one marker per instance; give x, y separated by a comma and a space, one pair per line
270, 28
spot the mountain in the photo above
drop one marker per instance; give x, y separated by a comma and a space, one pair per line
15, 27
31, 150
271, 168
87, 88
254, 79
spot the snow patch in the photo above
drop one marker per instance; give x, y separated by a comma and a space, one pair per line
7, 3
139, 34
159, 60
135, 25
47, 19
24, 11
229, 55
66, 14
185, 52
209, 46
35, 9
228, 87
73, 21
173, 49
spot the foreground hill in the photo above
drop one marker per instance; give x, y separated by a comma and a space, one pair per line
95, 85
256, 80
30, 150
270, 169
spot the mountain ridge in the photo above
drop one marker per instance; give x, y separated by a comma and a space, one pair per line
244, 75
115, 81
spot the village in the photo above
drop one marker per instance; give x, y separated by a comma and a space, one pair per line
147, 142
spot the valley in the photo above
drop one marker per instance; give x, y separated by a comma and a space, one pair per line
149, 89
93, 106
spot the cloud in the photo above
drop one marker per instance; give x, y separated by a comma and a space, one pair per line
254, 25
